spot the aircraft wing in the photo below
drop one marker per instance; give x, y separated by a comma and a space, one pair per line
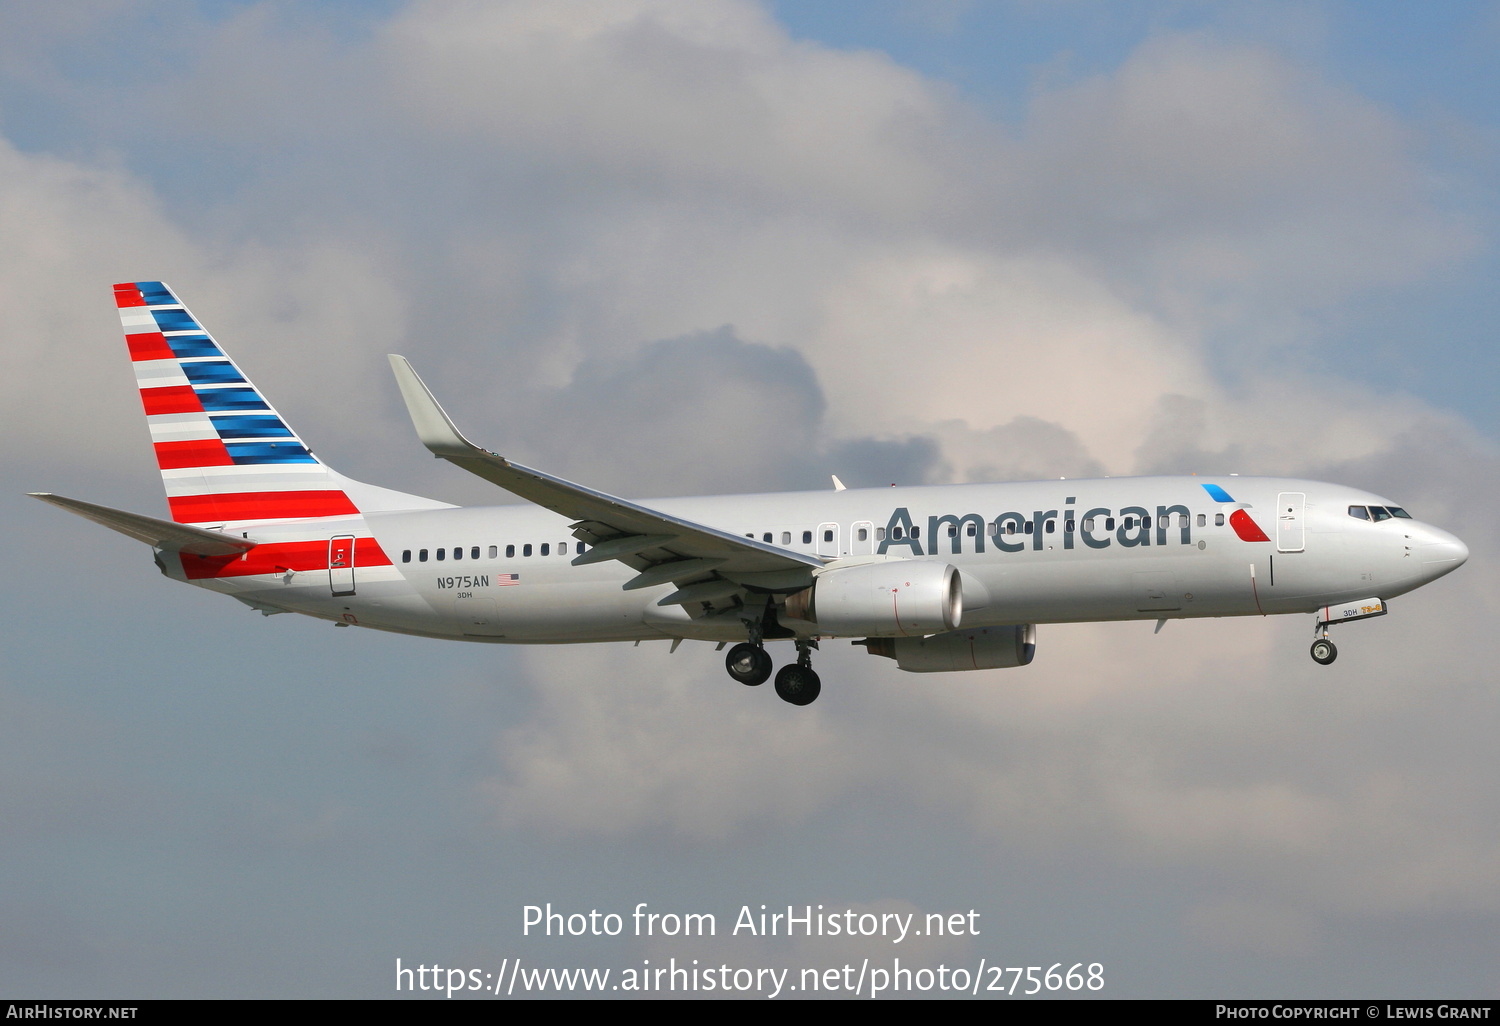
664, 548
161, 534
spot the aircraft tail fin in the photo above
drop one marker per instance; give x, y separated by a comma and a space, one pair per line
225, 454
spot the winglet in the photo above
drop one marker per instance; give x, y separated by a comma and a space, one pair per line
434, 427
838, 485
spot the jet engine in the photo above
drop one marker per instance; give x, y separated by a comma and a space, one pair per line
892, 597
983, 648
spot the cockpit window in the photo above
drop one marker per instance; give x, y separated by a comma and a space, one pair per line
1359, 513
1397, 511
1380, 513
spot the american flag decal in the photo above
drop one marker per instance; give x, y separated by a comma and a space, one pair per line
505, 580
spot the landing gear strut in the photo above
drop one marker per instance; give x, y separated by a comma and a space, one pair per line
1323, 650
797, 683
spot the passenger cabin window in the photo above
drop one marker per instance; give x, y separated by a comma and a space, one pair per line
440, 553
1068, 525
971, 532
828, 535
422, 556
510, 552
494, 551
526, 549
864, 534
786, 537
545, 547
806, 537
1052, 527
1088, 523
1109, 523
880, 534
1218, 520
1202, 520
896, 533
458, 552
766, 537
474, 552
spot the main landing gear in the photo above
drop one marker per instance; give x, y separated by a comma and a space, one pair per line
1323, 650
797, 683
749, 663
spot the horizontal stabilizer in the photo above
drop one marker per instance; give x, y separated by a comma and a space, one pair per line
161, 534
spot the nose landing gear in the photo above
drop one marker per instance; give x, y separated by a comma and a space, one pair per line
1323, 650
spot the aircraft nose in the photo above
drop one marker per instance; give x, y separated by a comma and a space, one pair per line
1441, 552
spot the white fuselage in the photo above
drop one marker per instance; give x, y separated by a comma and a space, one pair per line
1032, 552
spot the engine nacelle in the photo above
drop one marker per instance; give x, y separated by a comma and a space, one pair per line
906, 597
983, 648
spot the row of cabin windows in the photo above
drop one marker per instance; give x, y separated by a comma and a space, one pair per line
457, 552
1028, 527
897, 533
786, 536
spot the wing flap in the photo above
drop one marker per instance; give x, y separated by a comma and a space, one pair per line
621, 546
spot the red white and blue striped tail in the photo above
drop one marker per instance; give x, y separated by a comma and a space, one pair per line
226, 455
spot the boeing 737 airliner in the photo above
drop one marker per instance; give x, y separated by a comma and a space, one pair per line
938, 578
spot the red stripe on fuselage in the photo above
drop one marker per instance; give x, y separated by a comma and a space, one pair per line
1246, 528
195, 452
171, 399
149, 345
279, 557
222, 508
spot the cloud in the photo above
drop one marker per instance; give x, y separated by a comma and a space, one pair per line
711, 96
656, 749
1217, 171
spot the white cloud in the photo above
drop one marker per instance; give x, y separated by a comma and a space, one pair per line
631, 739
665, 96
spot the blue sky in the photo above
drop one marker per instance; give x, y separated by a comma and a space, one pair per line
722, 246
